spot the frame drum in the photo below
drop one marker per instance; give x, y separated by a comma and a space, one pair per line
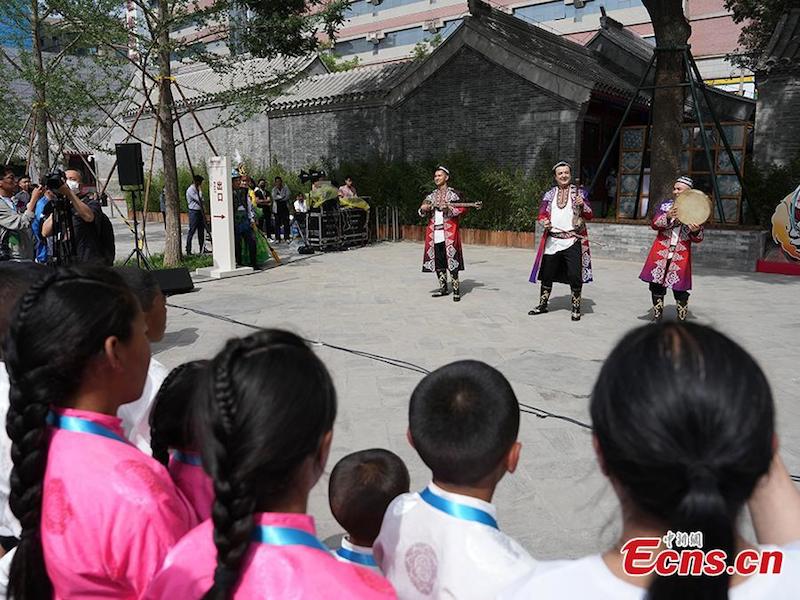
693, 206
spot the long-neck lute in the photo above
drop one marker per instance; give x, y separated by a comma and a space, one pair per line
442, 206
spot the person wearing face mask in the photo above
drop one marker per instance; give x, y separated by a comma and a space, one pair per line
88, 223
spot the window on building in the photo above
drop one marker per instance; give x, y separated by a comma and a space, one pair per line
356, 46
557, 9
362, 7
449, 27
393, 39
404, 37
549, 11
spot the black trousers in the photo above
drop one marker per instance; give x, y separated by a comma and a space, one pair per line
660, 290
196, 223
282, 220
440, 258
564, 267
250, 239
265, 222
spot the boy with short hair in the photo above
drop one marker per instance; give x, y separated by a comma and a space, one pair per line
444, 542
361, 486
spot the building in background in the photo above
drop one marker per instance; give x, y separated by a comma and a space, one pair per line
387, 30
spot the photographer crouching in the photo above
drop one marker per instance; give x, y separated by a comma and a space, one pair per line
80, 231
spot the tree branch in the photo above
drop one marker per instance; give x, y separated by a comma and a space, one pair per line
10, 61
60, 56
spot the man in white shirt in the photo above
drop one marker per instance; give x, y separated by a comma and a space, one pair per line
564, 250
197, 222
444, 542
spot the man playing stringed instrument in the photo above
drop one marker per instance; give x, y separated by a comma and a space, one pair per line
442, 240
669, 264
563, 254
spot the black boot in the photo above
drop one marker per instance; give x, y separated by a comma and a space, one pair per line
544, 297
683, 309
442, 291
658, 307
456, 289
576, 305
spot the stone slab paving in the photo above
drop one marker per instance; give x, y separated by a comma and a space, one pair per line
376, 299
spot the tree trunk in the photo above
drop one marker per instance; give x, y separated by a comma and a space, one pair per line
172, 245
42, 148
672, 30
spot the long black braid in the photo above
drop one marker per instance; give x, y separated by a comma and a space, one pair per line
272, 402
171, 417
58, 326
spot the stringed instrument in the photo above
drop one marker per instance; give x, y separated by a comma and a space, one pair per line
478, 205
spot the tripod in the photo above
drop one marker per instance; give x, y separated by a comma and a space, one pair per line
137, 251
63, 233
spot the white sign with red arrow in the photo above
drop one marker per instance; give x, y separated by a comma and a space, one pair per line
222, 238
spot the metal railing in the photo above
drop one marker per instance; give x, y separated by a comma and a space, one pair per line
387, 224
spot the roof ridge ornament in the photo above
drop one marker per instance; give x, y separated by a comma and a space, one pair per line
478, 8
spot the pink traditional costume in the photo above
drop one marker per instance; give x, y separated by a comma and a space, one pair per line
669, 263
442, 240
110, 513
187, 472
285, 560
563, 254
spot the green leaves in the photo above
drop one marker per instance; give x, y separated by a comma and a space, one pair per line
760, 17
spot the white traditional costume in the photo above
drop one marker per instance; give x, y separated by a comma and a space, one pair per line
436, 544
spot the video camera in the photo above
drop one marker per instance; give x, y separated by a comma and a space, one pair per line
312, 176
54, 180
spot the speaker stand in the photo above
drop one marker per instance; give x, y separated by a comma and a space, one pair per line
141, 259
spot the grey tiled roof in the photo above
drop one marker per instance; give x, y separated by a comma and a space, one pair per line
550, 49
202, 84
616, 32
356, 85
783, 50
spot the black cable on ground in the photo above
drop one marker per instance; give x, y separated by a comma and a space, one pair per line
396, 362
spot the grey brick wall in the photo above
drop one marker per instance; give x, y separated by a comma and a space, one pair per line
732, 250
297, 140
778, 119
473, 104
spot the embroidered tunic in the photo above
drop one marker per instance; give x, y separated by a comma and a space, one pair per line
578, 226
672, 245
446, 230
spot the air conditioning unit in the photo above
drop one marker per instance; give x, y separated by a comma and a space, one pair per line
433, 26
580, 3
376, 37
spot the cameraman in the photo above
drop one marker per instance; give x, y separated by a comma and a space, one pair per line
85, 214
15, 229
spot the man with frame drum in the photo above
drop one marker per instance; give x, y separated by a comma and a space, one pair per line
669, 264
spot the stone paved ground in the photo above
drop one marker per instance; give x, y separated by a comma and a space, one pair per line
376, 299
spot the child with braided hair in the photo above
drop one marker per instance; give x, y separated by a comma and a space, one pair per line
266, 427
172, 436
97, 515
